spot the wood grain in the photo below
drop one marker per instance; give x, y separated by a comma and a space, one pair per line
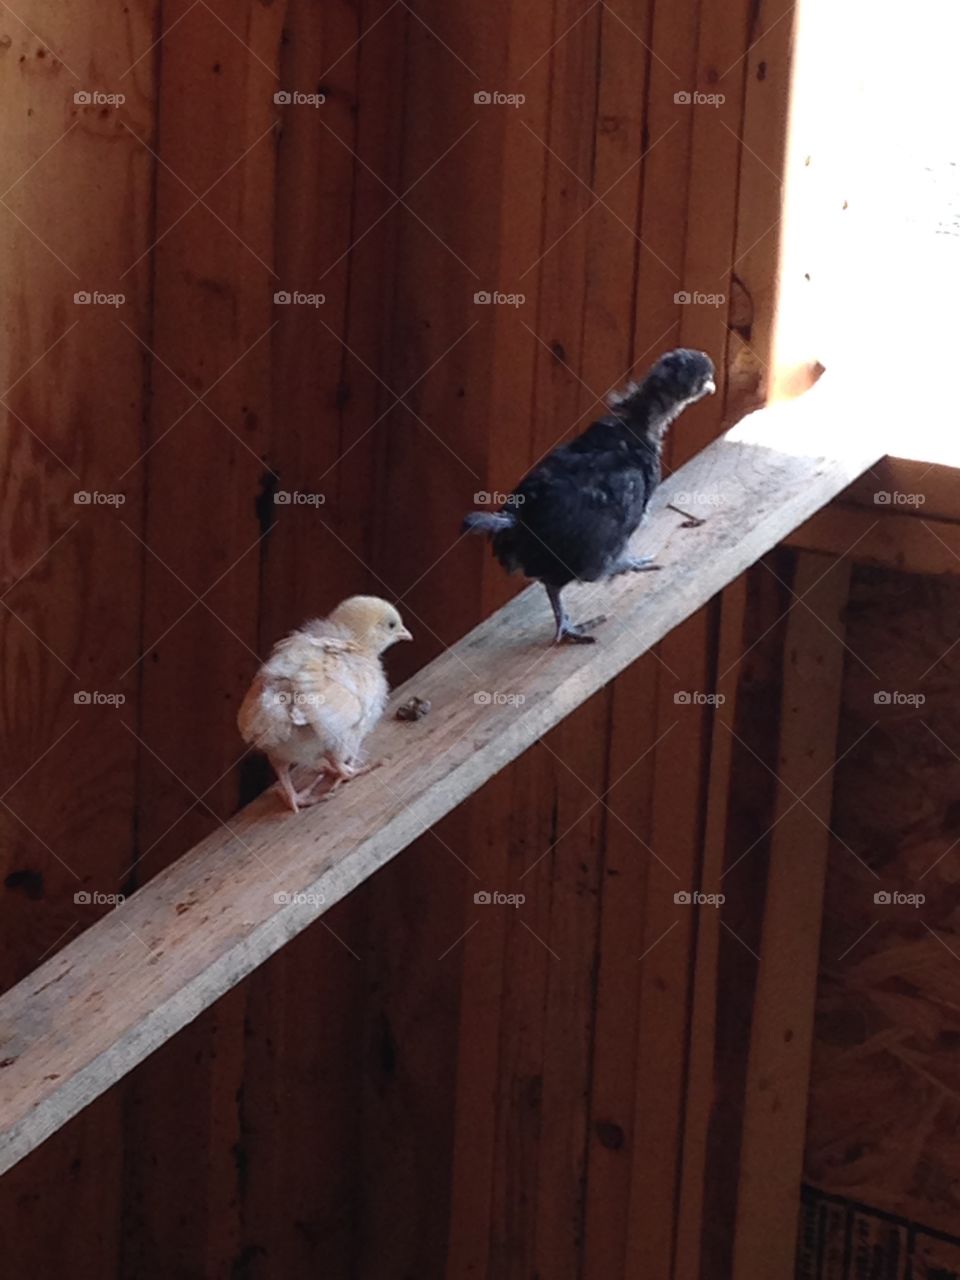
781, 1033
208, 438
69, 1019
75, 212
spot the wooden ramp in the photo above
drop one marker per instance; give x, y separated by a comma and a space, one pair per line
102, 1004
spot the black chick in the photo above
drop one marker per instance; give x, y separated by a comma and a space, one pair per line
571, 517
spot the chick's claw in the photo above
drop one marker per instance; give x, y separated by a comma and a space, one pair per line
635, 564
578, 632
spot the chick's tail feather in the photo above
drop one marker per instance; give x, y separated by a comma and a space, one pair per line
488, 522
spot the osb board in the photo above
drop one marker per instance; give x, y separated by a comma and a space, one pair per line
843, 1240
885, 1087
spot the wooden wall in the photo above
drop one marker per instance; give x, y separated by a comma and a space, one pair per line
418, 1086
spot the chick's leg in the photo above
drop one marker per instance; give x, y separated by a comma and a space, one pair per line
295, 799
570, 632
285, 782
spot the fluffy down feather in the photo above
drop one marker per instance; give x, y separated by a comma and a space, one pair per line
320, 693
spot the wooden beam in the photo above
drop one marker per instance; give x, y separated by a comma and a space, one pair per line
781, 1034
910, 543
100, 1006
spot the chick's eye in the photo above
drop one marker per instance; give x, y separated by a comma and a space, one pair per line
393, 626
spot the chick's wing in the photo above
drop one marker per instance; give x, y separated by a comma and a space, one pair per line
332, 694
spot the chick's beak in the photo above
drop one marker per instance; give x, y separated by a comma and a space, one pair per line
404, 634
709, 387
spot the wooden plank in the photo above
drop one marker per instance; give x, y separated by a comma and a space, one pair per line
908, 543
206, 462
781, 1034
75, 212
766, 69
738, 856
545, 1037
301, 1071
629, 317
67, 1019
914, 488
442, 348
718, 188
509, 168
731, 643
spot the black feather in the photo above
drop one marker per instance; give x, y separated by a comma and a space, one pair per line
571, 517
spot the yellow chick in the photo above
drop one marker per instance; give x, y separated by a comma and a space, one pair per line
320, 693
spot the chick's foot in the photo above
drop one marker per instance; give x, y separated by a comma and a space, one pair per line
634, 564
578, 632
